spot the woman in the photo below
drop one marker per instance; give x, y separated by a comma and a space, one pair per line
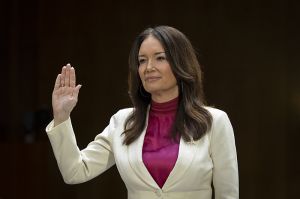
170, 145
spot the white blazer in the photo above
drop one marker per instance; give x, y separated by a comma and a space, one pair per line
212, 159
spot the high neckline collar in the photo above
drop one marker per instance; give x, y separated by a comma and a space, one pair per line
168, 106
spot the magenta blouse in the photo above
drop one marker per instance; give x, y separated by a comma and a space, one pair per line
160, 151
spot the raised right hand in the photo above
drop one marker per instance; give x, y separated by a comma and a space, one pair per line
65, 94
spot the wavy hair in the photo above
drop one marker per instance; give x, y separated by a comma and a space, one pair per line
192, 120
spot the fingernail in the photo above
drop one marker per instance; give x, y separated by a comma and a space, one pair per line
68, 64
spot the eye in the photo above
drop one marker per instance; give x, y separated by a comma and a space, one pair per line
142, 61
161, 58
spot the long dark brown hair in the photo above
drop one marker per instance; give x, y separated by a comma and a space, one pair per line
192, 119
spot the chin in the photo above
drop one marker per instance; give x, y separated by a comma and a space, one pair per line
152, 90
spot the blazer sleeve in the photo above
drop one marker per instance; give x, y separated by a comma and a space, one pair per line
75, 165
224, 157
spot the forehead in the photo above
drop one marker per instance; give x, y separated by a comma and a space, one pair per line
150, 45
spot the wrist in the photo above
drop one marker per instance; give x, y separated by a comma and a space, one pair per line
59, 120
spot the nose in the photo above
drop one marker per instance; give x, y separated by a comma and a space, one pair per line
149, 66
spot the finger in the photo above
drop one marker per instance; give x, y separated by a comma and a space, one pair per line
72, 77
57, 82
62, 77
76, 91
67, 78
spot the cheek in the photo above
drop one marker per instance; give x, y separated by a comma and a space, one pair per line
172, 80
141, 73
170, 76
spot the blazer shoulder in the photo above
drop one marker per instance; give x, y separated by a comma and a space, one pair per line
123, 112
121, 115
220, 117
216, 113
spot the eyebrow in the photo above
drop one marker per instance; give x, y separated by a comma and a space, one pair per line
154, 54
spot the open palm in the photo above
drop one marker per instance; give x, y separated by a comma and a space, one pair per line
65, 94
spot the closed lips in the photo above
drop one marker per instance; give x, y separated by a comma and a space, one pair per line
151, 78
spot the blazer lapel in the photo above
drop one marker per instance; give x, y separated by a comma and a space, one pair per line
185, 158
135, 159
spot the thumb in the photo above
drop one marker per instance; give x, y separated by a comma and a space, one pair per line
76, 91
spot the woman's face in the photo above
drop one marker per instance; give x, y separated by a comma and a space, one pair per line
155, 71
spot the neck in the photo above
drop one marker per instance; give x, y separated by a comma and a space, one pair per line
161, 97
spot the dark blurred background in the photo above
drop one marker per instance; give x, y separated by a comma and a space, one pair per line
250, 55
